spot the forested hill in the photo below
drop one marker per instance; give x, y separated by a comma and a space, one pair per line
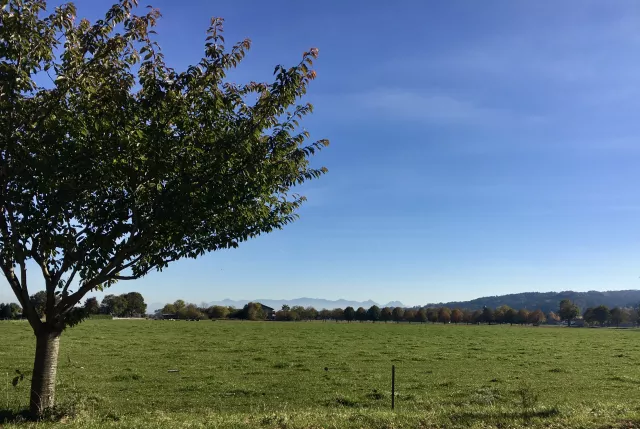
548, 301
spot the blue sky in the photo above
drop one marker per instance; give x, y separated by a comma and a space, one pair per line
477, 148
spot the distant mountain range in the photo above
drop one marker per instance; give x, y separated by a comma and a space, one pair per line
548, 301
278, 303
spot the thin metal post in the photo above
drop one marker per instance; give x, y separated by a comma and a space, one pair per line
393, 387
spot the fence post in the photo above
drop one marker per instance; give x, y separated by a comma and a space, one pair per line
393, 387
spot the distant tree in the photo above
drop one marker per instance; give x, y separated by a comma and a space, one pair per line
349, 314
252, 311
456, 316
499, 315
476, 317
537, 317
386, 314
444, 315
601, 314
432, 315
217, 312
294, 315
397, 314
553, 318
373, 313
410, 315
633, 315
467, 316
310, 313
191, 312
488, 315
588, 316
421, 315
114, 305
134, 304
510, 316
167, 309
285, 307
523, 316
179, 304
10, 311
324, 314
92, 306
568, 311
39, 302
618, 316
337, 314
361, 314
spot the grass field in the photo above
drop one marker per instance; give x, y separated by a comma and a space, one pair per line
272, 375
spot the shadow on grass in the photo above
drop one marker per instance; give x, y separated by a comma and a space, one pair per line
14, 416
504, 415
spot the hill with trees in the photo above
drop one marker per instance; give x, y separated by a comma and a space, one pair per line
548, 301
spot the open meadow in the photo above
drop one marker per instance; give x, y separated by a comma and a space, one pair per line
115, 373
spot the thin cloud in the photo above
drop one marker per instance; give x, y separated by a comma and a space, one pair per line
436, 109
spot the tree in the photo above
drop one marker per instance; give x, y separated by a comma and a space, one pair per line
285, 307
217, 312
499, 314
410, 315
432, 315
618, 316
91, 306
251, 311
588, 316
373, 313
487, 315
467, 316
444, 315
537, 317
38, 303
397, 314
386, 314
114, 305
135, 305
633, 315
167, 309
456, 316
601, 314
476, 317
337, 314
349, 314
421, 316
553, 318
123, 165
568, 311
10, 311
510, 316
325, 314
361, 314
523, 316
310, 313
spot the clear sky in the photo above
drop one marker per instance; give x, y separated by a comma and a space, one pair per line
477, 148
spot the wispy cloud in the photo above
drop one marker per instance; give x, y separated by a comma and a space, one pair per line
435, 108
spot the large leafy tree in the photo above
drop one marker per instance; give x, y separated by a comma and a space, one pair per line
119, 164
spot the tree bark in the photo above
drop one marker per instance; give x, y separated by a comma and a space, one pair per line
45, 367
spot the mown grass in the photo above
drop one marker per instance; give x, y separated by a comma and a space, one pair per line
311, 375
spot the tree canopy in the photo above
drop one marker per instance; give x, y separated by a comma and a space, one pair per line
120, 164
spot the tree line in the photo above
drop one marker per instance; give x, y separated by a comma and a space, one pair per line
567, 312
126, 305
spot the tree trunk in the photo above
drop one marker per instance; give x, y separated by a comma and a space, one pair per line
45, 367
